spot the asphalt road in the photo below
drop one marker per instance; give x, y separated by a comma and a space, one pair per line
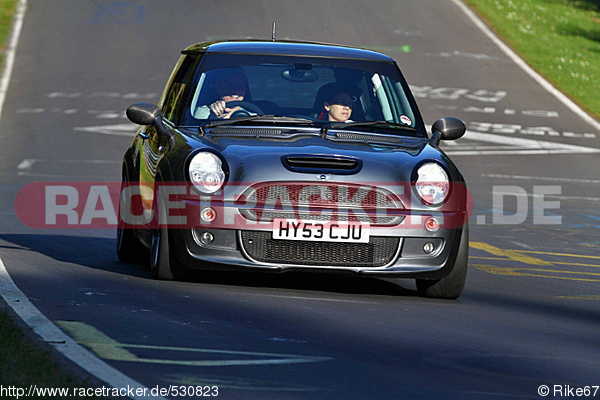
530, 313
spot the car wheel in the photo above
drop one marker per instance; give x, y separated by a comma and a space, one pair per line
451, 286
163, 263
160, 255
129, 248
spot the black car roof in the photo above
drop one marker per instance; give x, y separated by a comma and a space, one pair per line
293, 48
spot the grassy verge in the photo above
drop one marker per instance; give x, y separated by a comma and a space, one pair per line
558, 38
7, 8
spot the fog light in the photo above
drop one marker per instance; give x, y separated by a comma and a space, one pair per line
428, 248
432, 224
207, 238
208, 214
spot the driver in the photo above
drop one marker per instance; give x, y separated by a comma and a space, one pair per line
230, 86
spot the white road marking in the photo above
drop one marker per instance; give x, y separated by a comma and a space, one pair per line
56, 95
315, 299
509, 111
521, 146
101, 95
492, 127
540, 113
526, 68
109, 349
453, 93
30, 111
509, 145
541, 178
114, 130
461, 54
25, 166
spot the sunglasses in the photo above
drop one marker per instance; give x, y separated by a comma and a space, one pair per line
344, 103
234, 89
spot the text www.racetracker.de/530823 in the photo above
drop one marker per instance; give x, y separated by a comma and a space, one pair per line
170, 391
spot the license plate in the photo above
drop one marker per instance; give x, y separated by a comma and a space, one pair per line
349, 232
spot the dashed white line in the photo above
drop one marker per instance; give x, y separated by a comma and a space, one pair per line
116, 130
541, 178
26, 164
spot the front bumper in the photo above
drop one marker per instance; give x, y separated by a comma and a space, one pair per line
404, 255
240, 238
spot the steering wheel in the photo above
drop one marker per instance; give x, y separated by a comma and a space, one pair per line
245, 106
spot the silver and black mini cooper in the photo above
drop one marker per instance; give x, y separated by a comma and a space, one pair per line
283, 156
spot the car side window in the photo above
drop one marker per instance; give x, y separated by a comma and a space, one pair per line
176, 89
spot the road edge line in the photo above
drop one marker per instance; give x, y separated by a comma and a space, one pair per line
570, 104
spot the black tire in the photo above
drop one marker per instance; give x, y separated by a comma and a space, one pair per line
160, 255
129, 248
160, 249
452, 285
163, 262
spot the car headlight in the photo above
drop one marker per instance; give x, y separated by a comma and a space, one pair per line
206, 172
432, 183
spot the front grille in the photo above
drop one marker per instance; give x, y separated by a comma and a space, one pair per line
321, 194
343, 202
261, 247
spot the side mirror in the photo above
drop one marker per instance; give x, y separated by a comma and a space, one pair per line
144, 113
150, 114
447, 129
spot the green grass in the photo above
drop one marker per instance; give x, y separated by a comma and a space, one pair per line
558, 38
7, 8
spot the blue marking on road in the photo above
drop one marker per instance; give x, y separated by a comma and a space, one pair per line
119, 13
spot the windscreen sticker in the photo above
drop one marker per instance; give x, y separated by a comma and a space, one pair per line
405, 120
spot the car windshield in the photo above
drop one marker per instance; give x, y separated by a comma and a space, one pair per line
316, 90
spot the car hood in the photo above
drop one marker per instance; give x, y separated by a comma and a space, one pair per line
264, 158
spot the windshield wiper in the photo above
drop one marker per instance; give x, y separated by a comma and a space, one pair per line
386, 124
265, 118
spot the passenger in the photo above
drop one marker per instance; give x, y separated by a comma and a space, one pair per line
230, 86
337, 106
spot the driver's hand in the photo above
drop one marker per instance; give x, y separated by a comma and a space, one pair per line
221, 111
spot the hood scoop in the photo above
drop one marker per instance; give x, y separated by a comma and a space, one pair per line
322, 164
